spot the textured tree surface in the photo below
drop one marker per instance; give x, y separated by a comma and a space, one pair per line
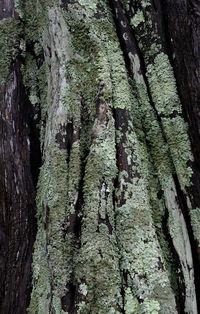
99, 156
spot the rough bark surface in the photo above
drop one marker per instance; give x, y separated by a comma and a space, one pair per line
99, 157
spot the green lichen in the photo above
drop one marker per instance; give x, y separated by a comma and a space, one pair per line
180, 148
122, 95
172, 133
137, 19
195, 221
91, 7
10, 30
159, 216
53, 194
151, 307
19, 8
134, 223
164, 94
163, 86
80, 71
30, 78
97, 262
40, 297
131, 304
87, 69
146, 3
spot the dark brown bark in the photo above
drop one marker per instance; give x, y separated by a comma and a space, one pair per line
17, 193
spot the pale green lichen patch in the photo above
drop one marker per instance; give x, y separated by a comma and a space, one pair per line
98, 255
53, 199
97, 267
159, 215
52, 191
19, 8
195, 220
180, 148
97, 262
173, 135
36, 18
91, 7
135, 219
30, 78
150, 307
122, 95
146, 3
163, 87
168, 107
144, 115
131, 303
137, 19
140, 249
87, 78
164, 95
10, 30
40, 298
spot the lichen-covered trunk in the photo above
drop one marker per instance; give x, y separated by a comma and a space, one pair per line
99, 157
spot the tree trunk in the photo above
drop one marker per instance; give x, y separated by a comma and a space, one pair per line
99, 156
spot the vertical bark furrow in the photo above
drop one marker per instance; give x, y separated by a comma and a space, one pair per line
17, 196
17, 221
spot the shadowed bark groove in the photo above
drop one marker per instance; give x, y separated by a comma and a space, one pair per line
17, 196
19, 168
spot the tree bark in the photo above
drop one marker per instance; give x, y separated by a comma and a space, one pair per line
99, 157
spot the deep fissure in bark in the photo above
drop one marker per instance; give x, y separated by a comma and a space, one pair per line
17, 219
121, 118
68, 301
34, 137
118, 118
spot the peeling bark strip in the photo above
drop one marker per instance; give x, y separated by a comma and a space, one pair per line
101, 88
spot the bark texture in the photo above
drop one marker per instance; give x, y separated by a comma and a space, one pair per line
100, 143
